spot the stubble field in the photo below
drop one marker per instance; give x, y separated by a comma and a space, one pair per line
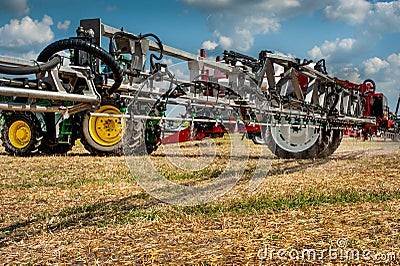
80, 210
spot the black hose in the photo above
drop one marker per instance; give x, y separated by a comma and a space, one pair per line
321, 66
87, 47
159, 43
8, 70
373, 86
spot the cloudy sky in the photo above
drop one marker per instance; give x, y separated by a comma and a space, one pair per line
359, 39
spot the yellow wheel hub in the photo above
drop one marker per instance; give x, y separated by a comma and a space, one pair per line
106, 131
20, 134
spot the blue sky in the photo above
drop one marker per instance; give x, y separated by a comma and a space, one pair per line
359, 39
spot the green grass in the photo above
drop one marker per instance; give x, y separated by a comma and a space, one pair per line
103, 214
122, 212
207, 173
300, 200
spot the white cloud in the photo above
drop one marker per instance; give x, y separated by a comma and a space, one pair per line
375, 18
351, 11
230, 32
248, 7
180, 71
28, 56
346, 44
235, 23
349, 72
209, 45
241, 21
63, 25
26, 35
381, 69
262, 25
385, 73
225, 42
167, 61
316, 53
374, 65
335, 50
15, 7
394, 60
384, 17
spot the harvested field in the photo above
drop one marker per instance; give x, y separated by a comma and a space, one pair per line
79, 209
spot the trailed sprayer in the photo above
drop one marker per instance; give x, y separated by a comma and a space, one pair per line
76, 89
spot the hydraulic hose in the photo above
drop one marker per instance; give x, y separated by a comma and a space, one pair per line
372, 90
321, 66
90, 48
8, 70
160, 45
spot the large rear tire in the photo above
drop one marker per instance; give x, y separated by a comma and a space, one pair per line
21, 134
141, 137
287, 143
103, 135
334, 138
327, 143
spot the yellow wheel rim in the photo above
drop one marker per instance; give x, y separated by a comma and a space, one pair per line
20, 134
106, 131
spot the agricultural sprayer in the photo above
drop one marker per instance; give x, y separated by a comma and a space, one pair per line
79, 90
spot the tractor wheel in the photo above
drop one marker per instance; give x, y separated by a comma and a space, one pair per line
103, 135
152, 136
258, 140
334, 138
21, 134
134, 138
141, 137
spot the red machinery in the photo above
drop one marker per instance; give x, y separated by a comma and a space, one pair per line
374, 105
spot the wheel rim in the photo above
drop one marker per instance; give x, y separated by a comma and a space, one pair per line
294, 138
106, 131
259, 140
20, 134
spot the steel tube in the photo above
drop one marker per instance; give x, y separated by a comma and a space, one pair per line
31, 108
21, 107
18, 83
50, 95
